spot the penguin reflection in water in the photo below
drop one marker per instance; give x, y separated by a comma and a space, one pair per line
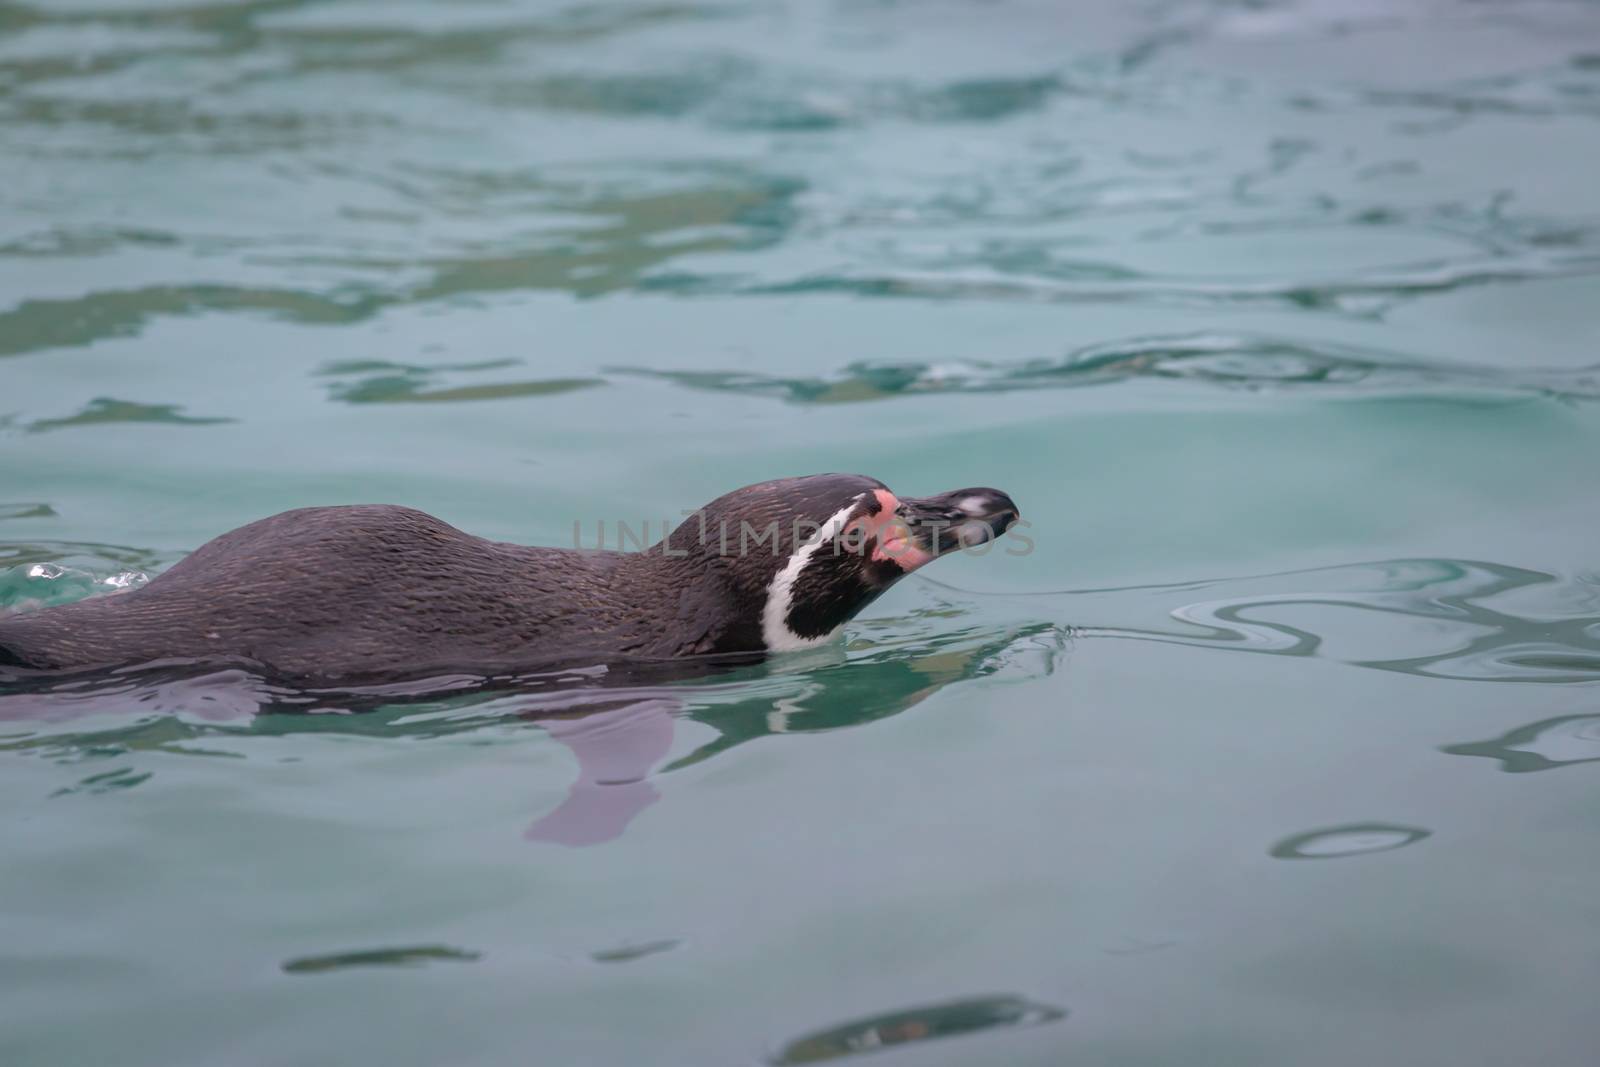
619, 740
619, 726
366, 594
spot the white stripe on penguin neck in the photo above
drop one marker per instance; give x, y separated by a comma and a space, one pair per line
780, 594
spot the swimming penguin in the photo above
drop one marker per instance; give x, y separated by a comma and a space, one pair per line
355, 592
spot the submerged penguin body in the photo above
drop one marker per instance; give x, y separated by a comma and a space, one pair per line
371, 591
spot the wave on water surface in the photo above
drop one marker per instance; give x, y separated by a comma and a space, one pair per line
1467, 620
821, 172
1228, 360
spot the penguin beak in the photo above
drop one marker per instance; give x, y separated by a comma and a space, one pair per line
958, 519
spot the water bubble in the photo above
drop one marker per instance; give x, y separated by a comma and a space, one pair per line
40, 585
126, 580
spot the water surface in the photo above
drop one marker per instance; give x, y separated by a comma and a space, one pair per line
1277, 319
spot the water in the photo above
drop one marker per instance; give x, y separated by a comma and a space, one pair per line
1277, 319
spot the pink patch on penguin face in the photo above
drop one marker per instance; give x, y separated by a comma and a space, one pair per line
891, 537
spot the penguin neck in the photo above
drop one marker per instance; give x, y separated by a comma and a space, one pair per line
685, 604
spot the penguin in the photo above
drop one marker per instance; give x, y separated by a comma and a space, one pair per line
360, 592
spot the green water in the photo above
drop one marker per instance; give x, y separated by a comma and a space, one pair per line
1277, 320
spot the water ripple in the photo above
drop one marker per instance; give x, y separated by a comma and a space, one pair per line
100, 562
1229, 360
1541, 746
635, 950
824, 171
38, 585
77, 321
923, 1023
1568, 88
37, 510
408, 956
1362, 294
742, 96
598, 231
1356, 839
616, 720
383, 382
1463, 619
103, 409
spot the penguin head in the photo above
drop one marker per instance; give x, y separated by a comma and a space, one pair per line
806, 554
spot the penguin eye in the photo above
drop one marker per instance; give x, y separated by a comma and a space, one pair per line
856, 537
881, 536
876, 519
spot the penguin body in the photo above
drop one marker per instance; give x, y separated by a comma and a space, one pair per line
372, 591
